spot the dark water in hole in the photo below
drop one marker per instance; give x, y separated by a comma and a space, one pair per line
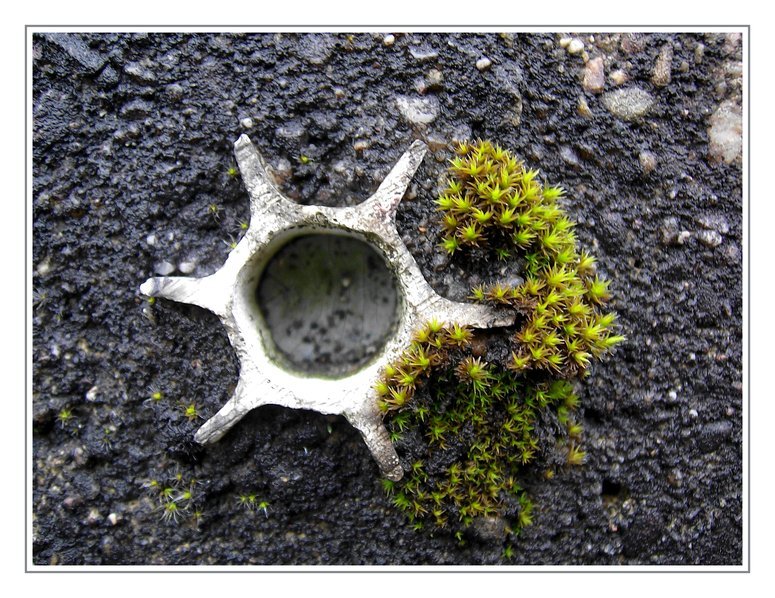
329, 302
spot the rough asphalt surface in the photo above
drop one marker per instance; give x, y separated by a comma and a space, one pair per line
133, 139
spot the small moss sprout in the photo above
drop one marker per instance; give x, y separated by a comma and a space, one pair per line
176, 497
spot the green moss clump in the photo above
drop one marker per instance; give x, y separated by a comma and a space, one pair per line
489, 190
471, 427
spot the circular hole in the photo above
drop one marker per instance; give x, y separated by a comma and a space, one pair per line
329, 303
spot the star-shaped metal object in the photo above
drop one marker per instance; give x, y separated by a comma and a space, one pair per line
230, 294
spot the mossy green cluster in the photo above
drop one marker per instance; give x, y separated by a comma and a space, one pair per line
490, 410
493, 200
469, 425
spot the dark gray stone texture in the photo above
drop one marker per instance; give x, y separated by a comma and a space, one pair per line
133, 137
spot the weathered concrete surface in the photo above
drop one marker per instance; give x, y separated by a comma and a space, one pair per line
132, 147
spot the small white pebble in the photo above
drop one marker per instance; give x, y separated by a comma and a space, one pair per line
361, 145
565, 41
164, 268
483, 63
575, 46
683, 236
113, 518
693, 413
187, 267
710, 238
247, 123
44, 267
389, 39
151, 240
91, 394
672, 395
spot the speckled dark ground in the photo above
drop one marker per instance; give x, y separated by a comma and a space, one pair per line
132, 147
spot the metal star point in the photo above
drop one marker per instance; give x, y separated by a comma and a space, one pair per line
230, 294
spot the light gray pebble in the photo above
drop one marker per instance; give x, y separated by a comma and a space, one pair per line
569, 156
575, 46
715, 222
422, 54
187, 267
693, 413
483, 64
710, 238
389, 39
247, 123
92, 393
419, 111
164, 268
726, 132
661, 74
648, 161
630, 103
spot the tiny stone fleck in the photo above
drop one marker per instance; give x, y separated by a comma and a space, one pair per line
247, 123
575, 46
648, 162
583, 108
483, 64
389, 39
164, 268
661, 74
710, 238
618, 77
423, 54
418, 110
187, 267
594, 76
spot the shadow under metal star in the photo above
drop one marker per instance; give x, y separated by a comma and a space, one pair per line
230, 294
